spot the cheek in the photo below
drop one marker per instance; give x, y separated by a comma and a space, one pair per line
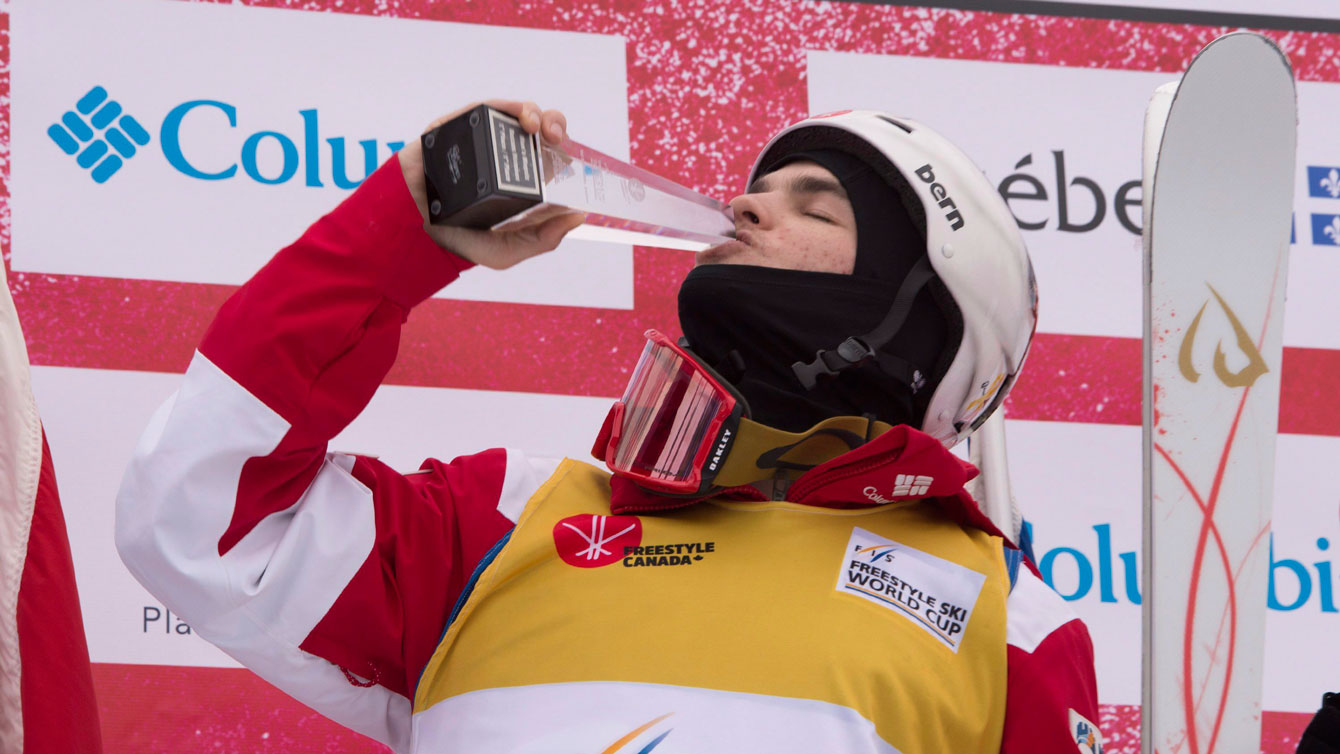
823, 249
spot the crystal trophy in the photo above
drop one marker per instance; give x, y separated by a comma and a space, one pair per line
484, 171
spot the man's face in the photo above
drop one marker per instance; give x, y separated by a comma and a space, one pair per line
797, 218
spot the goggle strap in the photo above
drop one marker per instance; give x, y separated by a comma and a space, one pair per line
857, 350
759, 450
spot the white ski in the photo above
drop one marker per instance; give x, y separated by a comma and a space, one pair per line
1218, 180
991, 489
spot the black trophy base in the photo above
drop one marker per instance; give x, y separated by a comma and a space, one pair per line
481, 168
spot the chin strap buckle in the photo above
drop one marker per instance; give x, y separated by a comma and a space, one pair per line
849, 353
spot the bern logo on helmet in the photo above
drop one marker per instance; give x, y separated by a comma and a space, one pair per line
927, 174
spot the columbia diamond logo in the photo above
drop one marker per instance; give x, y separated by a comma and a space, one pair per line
95, 123
911, 485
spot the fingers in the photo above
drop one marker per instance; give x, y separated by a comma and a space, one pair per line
526, 112
551, 124
538, 239
532, 218
439, 121
554, 126
501, 248
551, 232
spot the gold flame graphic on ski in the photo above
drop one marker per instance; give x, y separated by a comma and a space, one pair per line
1245, 377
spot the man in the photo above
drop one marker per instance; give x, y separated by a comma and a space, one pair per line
804, 574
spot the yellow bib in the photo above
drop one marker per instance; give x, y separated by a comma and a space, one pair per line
723, 627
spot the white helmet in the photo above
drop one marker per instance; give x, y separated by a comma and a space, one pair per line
973, 246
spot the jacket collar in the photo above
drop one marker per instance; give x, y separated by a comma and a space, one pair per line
903, 464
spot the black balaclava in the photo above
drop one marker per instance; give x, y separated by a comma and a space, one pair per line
752, 323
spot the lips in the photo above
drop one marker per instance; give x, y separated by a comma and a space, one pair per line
723, 252
726, 249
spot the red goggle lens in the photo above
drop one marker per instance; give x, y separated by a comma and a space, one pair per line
669, 415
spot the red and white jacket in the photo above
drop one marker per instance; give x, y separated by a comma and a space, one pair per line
332, 576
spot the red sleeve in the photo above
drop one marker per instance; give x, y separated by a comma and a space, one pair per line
312, 335
60, 712
389, 619
1051, 704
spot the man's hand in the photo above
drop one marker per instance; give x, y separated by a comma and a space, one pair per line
498, 249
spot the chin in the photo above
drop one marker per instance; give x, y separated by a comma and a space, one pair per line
713, 255
726, 253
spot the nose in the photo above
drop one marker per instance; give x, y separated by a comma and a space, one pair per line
752, 211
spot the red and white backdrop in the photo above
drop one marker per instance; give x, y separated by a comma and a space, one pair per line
259, 117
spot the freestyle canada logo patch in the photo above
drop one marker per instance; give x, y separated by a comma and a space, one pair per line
591, 541
674, 554
936, 595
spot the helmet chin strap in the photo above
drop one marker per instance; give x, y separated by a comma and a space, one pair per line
760, 451
860, 349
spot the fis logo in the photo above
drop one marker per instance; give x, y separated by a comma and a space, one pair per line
95, 123
878, 552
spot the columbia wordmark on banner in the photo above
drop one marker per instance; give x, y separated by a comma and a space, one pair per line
229, 129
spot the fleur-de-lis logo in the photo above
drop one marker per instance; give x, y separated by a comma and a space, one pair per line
1332, 231
1331, 182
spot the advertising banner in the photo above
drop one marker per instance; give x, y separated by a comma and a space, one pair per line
160, 151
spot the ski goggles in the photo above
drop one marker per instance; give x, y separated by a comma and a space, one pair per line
675, 424
681, 430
